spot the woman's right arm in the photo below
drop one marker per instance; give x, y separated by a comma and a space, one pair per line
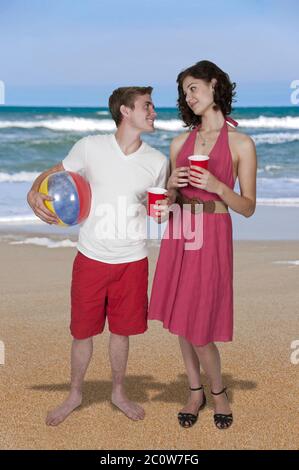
179, 176
36, 199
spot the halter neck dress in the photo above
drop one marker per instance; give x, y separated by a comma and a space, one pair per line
192, 292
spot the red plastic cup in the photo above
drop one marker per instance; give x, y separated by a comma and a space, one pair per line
154, 195
201, 161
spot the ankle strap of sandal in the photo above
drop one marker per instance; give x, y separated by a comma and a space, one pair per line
219, 393
195, 389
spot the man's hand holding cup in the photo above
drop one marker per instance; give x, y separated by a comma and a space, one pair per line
159, 201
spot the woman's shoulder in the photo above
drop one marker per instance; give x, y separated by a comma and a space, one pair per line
176, 145
180, 139
239, 139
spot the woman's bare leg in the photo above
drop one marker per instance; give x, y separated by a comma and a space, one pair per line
192, 366
209, 358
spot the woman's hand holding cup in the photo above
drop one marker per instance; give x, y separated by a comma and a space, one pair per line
178, 178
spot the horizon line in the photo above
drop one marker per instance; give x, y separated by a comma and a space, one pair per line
3, 106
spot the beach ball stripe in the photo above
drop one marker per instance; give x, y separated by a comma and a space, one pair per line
84, 193
49, 204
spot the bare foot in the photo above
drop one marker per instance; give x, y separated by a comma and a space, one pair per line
59, 414
129, 408
194, 402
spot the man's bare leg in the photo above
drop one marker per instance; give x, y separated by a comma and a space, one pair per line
118, 353
80, 358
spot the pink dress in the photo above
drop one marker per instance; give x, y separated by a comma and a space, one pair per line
192, 291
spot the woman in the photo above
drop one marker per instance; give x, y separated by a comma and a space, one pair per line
192, 291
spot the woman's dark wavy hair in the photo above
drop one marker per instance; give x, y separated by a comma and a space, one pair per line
223, 96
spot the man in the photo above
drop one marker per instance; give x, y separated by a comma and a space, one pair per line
110, 271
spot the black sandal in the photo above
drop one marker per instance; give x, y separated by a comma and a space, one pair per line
222, 421
187, 420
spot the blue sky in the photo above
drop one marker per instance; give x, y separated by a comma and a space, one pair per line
75, 52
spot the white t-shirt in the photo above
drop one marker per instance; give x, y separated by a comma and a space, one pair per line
115, 230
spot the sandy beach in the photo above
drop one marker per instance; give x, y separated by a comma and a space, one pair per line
262, 380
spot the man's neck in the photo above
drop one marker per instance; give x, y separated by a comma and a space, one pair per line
128, 139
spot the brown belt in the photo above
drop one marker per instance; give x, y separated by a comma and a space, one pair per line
197, 205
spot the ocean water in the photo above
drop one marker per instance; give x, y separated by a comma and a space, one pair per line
33, 139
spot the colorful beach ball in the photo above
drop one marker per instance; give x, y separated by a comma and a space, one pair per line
72, 196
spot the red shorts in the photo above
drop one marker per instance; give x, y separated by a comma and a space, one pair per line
118, 291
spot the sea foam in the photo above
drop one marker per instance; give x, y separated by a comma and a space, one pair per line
78, 124
19, 177
275, 138
294, 262
43, 241
284, 201
287, 122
